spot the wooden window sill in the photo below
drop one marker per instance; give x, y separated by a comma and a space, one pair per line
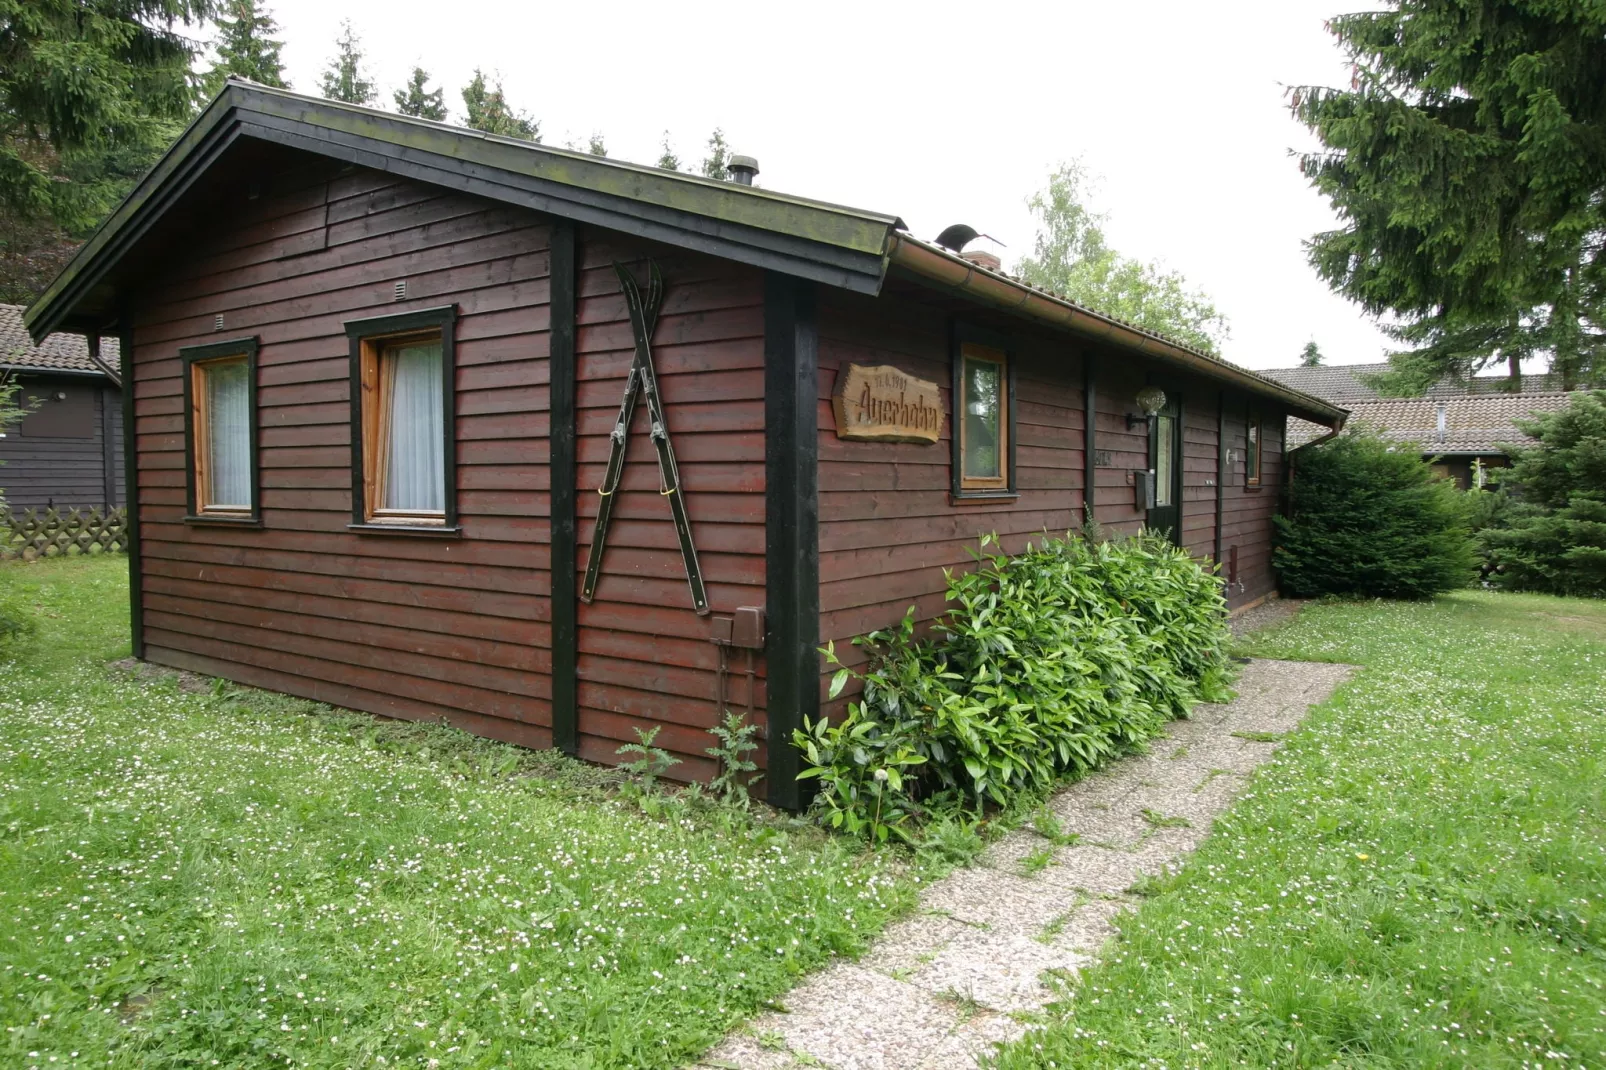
225, 521
971, 497
426, 531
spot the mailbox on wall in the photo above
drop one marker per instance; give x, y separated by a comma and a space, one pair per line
1143, 484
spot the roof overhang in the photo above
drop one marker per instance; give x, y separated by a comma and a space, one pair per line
949, 271
830, 244
827, 243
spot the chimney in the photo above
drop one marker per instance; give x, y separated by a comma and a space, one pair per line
1443, 431
742, 169
982, 259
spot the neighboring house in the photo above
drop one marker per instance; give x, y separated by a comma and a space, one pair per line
1458, 425
68, 450
377, 361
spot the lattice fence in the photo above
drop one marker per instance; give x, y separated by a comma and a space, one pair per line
36, 533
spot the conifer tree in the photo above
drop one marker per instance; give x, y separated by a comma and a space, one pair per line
488, 110
1465, 161
344, 78
717, 160
416, 99
1310, 356
246, 47
91, 92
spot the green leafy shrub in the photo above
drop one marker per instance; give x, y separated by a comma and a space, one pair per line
16, 622
1554, 538
1045, 665
1365, 518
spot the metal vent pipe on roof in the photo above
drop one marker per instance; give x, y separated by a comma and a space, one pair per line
1443, 429
742, 169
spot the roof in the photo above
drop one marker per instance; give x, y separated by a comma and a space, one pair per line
1344, 383
67, 353
832, 244
1473, 424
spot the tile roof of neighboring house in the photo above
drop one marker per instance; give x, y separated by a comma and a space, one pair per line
1474, 424
58, 352
1344, 383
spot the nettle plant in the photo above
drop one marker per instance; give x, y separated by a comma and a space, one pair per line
1046, 665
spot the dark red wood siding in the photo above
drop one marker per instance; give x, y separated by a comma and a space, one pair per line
888, 526
645, 656
454, 628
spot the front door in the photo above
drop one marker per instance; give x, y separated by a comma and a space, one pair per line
1165, 465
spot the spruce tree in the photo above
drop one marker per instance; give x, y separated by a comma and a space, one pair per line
246, 47
344, 78
91, 93
488, 110
1310, 356
1466, 163
416, 99
717, 161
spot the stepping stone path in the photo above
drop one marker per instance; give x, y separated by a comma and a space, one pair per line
943, 986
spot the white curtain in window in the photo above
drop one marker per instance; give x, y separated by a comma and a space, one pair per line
228, 432
415, 478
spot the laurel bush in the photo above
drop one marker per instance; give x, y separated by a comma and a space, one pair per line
1045, 665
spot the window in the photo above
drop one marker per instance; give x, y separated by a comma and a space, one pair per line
403, 456
1165, 452
220, 424
1252, 451
984, 425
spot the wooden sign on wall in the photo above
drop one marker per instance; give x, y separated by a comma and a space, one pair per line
880, 403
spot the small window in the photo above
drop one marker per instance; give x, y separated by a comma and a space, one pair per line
1165, 449
984, 420
402, 391
1252, 451
220, 425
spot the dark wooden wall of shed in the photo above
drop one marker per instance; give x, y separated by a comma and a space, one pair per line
888, 526
645, 656
57, 454
404, 626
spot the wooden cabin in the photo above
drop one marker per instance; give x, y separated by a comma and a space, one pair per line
376, 365
67, 451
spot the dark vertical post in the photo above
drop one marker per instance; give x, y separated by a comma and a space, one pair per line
136, 576
565, 607
791, 526
1090, 439
108, 448
1221, 469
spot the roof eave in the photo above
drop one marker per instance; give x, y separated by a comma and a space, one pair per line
953, 272
826, 243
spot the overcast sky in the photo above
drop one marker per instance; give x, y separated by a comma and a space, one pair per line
938, 113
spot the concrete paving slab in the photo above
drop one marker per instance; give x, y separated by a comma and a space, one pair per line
944, 986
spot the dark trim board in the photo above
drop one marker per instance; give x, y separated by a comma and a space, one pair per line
1090, 441
136, 578
188, 357
108, 450
563, 458
791, 529
1223, 467
444, 319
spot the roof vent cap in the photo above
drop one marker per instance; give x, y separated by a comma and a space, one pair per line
742, 169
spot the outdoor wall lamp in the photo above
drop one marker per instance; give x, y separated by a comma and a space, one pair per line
1151, 399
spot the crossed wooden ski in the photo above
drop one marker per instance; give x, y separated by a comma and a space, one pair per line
643, 380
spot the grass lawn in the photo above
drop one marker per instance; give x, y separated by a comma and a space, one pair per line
1416, 880
232, 878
